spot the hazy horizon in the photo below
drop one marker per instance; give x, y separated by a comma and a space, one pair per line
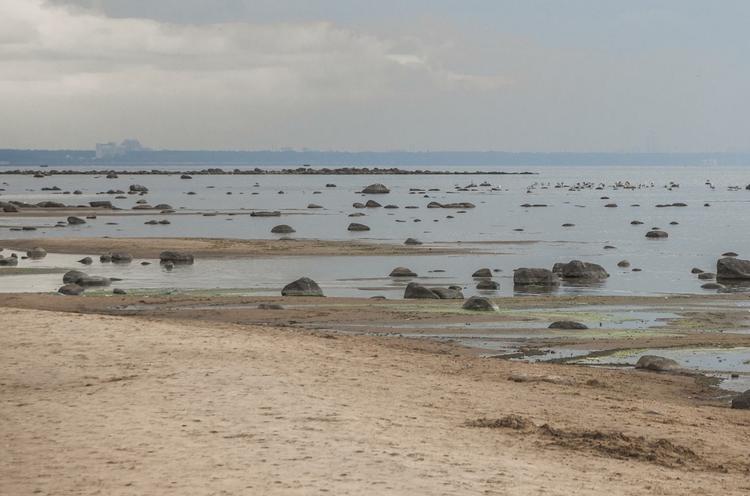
351, 75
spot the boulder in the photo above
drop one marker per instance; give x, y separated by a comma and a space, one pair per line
623, 263
742, 402
567, 324
376, 189
265, 214
656, 363
402, 272
70, 290
36, 253
75, 221
706, 276
314, 205
480, 304
733, 268
656, 234
106, 258
101, 204
303, 286
451, 293
357, 227
712, 285
282, 229
137, 188
86, 261
372, 204
488, 285
482, 273
534, 277
412, 242
576, 269
417, 291
119, 291
176, 257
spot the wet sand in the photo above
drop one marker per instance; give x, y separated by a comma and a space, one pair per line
130, 405
227, 248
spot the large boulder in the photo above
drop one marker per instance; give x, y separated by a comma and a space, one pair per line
656, 234
354, 226
656, 363
176, 257
742, 402
415, 291
733, 268
534, 277
137, 188
303, 286
479, 303
402, 272
75, 221
576, 269
36, 253
71, 290
376, 189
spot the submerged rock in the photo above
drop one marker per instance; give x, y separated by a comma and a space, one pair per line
576, 269
488, 285
534, 277
303, 286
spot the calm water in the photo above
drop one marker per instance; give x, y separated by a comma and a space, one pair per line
703, 233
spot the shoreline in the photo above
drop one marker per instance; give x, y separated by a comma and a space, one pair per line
126, 399
216, 171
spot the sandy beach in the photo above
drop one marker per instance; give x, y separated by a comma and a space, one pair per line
126, 405
226, 248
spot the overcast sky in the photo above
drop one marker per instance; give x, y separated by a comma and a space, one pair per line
534, 75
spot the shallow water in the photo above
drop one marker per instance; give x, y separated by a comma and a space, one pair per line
702, 235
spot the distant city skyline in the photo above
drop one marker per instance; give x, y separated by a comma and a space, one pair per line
357, 75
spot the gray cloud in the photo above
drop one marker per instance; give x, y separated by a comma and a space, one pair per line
242, 74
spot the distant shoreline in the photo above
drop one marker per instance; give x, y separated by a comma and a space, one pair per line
302, 171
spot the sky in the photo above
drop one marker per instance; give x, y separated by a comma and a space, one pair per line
523, 75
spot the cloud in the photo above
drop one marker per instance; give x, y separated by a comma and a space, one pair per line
53, 48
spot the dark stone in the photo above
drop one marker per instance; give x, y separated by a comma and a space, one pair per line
576, 269
451, 293
36, 253
71, 290
402, 272
303, 286
479, 304
656, 363
282, 229
376, 189
357, 227
417, 291
75, 221
742, 401
121, 257
567, 324
534, 277
732, 268
176, 257
482, 273
86, 261
412, 242
488, 285
656, 234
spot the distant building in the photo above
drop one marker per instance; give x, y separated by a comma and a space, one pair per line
111, 150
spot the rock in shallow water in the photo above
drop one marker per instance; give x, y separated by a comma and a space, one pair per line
70, 290
303, 286
567, 324
733, 268
534, 277
656, 363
